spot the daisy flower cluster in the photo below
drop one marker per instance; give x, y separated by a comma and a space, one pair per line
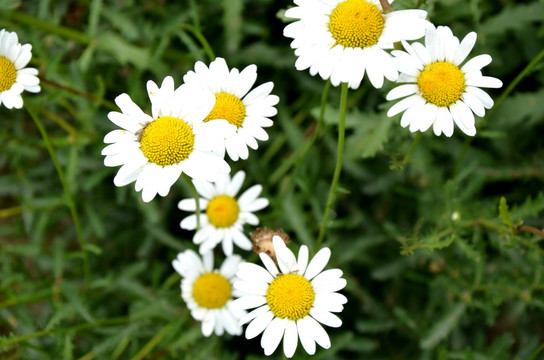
190, 128
217, 115
341, 40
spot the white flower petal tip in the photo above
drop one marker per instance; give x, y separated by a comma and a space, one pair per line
223, 214
154, 151
16, 77
279, 314
325, 44
247, 111
438, 91
208, 292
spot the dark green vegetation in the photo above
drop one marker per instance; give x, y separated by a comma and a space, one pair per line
442, 253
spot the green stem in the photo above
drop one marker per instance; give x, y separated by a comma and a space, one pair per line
339, 158
67, 193
152, 343
408, 155
499, 101
196, 196
537, 351
200, 37
25, 19
105, 322
301, 152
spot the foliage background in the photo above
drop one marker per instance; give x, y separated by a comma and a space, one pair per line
434, 269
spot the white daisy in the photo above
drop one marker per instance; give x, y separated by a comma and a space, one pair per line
248, 110
14, 77
290, 302
440, 91
155, 150
341, 39
208, 292
222, 215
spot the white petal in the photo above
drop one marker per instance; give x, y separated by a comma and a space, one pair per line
249, 302
305, 334
272, 335
290, 339
325, 317
474, 103
302, 260
476, 63
443, 122
318, 263
253, 314
403, 105
484, 98
463, 117
252, 272
318, 333
258, 325
402, 91
269, 264
465, 48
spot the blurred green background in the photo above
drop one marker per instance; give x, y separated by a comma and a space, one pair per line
442, 254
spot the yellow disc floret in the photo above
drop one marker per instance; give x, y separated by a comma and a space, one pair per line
441, 83
211, 290
222, 211
356, 23
290, 296
8, 74
167, 141
228, 107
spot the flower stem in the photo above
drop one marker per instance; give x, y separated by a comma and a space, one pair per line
298, 158
200, 37
67, 193
408, 155
196, 197
339, 158
501, 98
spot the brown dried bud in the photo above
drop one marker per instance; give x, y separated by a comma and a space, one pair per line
262, 240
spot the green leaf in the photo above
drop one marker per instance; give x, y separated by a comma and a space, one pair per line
123, 51
443, 327
504, 214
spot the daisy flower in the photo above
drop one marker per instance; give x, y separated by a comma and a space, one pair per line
290, 302
208, 292
14, 77
222, 215
248, 110
342, 39
155, 150
438, 90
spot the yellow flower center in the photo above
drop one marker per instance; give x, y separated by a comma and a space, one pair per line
211, 290
356, 23
228, 107
441, 83
8, 74
222, 211
290, 296
167, 141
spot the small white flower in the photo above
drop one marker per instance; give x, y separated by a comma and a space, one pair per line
290, 302
155, 150
14, 77
342, 39
248, 110
208, 292
223, 215
439, 90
